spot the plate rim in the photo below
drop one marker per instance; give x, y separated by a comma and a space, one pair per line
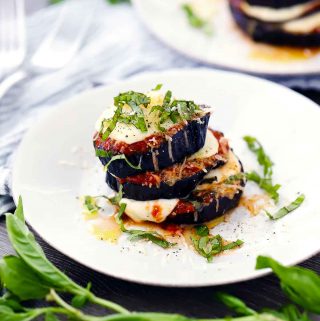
137, 5
60, 106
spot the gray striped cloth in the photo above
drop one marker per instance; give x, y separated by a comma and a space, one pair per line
117, 46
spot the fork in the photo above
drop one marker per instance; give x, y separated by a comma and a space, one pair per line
12, 35
58, 48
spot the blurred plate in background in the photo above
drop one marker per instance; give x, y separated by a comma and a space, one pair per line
227, 47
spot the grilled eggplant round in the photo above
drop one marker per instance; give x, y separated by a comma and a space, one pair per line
276, 3
178, 180
218, 192
280, 33
186, 140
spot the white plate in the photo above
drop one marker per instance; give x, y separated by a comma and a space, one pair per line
227, 47
56, 163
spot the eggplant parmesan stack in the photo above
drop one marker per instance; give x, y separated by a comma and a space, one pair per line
164, 162
293, 23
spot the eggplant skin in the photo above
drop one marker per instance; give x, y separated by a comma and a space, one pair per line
144, 193
194, 133
180, 189
216, 208
276, 3
271, 33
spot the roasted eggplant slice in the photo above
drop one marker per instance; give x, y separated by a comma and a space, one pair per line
178, 180
180, 141
300, 30
277, 3
218, 192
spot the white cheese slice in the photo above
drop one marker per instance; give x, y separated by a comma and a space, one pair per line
154, 211
276, 15
303, 25
210, 148
232, 167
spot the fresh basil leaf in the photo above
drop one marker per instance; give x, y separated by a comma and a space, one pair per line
19, 210
152, 236
115, 200
202, 230
232, 245
80, 300
195, 21
118, 1
20, 280
11, 301
301, 285
291, 312
103, 153
208, 246
287, 209
118, 217
90, 205
265, 184
263, 159
158, 87
25, 245
121, 156
235, 304
110, 124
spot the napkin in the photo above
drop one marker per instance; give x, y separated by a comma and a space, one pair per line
117, 46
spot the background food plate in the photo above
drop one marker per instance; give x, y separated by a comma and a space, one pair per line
56, 164
227, 47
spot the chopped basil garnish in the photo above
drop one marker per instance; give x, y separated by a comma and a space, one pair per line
90, 205
234, 178
176, 111
121, 156
208, 246
195, 21
202, 230
115, 200
265, 184
287, 209
263, 159
103, 153
152, 236
158, 87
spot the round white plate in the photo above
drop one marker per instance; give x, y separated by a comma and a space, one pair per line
56, 163
227, 47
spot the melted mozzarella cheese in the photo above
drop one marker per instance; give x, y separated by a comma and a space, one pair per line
274, 14
232, 167
303, 25
154, 211
210, 148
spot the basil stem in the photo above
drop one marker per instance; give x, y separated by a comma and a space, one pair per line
287, 209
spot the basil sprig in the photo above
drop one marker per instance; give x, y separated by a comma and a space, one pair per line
121, 156
28, 275
287, 209
265, 181
209, 246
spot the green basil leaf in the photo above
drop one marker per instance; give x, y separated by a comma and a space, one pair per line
263, 159
102, 153
115, 200
234, 178
20, 280
158, 87
121, 156
287, 209
25, 245
265, 184
202, 230
232, 245
235, 304
152, 236
19, 210
301, 285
